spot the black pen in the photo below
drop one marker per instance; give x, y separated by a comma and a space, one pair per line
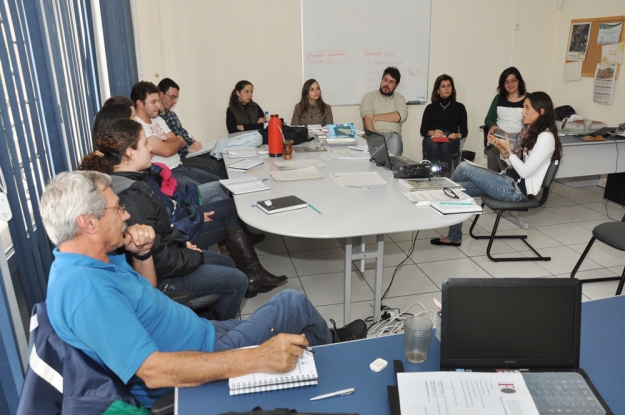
308, 349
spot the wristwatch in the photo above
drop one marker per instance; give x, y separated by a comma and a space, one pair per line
507, 154
143, 257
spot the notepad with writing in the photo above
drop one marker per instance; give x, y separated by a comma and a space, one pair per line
304, 374
247, 184
280, 204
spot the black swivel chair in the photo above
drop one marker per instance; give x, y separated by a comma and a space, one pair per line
502, 207
611, 234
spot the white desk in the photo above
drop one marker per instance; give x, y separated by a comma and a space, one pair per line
588, 158
349, 213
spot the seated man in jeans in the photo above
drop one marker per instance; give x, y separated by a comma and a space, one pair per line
102, 306
384, 111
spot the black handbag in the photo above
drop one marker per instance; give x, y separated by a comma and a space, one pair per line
298, 135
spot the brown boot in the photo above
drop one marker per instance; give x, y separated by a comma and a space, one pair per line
247, 261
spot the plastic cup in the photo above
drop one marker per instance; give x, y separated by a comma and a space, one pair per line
417, 337
587, 124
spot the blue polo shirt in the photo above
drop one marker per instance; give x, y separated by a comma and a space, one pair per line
116, 317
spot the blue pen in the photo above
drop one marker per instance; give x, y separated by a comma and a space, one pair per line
315, 209
264, 180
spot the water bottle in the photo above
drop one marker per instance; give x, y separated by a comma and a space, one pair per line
275, 136
266, 119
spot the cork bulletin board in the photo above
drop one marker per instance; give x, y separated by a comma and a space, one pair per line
593, 50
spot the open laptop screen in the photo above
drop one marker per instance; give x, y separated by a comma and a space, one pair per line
511, 323
377, 149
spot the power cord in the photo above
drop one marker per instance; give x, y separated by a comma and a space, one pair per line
415, 234
395, 324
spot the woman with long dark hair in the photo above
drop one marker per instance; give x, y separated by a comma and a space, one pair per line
527, 166
243, 113
505, 112
123, 153
444, 122
311, 109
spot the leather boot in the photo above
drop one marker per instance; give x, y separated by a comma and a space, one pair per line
253, 284
223, 248
247, 261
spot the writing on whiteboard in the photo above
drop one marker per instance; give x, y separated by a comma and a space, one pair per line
327, 56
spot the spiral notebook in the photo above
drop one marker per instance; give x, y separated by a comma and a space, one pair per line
304, 374
247, 184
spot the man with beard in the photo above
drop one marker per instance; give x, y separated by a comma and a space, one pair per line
383, 111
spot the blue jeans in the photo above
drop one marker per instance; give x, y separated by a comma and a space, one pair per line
440, 152
478, 181
206, 163
287, 312
208, 184
213, 231
393, 143
217, 275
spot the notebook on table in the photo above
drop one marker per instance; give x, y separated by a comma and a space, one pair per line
529, 325
247, 184
304, 374
280, 204
378, 151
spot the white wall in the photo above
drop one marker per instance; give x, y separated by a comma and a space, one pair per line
207, 46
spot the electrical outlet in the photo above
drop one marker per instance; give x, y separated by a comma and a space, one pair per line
516, 26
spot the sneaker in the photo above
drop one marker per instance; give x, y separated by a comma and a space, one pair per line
355, 330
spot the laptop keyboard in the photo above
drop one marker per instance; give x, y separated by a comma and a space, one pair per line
562, 393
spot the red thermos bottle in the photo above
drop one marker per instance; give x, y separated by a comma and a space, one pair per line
275, 136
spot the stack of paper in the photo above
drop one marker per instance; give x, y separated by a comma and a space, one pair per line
242, 152
425, 197
247, 184
435, 183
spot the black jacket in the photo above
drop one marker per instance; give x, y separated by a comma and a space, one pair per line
171, 256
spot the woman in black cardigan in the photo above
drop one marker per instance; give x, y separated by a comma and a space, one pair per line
444, 122
243, 114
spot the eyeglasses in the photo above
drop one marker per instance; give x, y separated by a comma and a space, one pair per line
173, 97
511, 81
120, 208
450, 193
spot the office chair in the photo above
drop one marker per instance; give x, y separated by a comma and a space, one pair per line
611, 234
502, 207
63, 379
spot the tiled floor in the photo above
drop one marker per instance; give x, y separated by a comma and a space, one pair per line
560, 229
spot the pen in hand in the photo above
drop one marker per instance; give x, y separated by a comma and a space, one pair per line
308, 349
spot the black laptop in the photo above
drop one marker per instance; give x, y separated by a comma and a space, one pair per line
530, 325
378, 150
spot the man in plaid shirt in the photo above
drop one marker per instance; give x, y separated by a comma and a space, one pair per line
169, 95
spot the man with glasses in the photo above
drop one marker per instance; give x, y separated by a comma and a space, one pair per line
170, 96
384, 111
97, 303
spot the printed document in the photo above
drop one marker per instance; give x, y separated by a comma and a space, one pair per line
300, 174
455, 393
298, 164
360, 179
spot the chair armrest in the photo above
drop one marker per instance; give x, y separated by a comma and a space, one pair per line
180, 296
164, 405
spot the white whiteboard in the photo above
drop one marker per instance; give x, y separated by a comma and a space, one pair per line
347, 44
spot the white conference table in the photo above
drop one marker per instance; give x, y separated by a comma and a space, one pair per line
349, 213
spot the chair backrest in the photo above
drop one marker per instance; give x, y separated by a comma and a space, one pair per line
63, 380
549, 176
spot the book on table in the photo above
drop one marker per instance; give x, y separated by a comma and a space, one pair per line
426, 197
280, 204
435, 183
456, 207
247, 184
304, 374
245, 164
